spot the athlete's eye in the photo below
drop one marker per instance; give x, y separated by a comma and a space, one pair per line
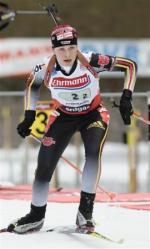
72, 47
62, 49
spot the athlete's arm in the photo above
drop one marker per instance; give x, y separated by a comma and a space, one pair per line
111, 63
102, 62
129, 67
34, 83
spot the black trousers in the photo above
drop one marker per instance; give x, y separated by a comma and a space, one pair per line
93, 131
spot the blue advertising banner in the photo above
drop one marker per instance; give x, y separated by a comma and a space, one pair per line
137, 50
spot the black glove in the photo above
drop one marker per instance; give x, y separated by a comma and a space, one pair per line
126, 106
23, 127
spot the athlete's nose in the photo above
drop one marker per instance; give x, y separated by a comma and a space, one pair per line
67, 54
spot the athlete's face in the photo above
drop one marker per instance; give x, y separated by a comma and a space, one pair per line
66, 55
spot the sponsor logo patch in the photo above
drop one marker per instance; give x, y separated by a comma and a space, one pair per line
47, 141
97, 124
38, 67
104, 114
103, 60
65, 42
77, 109
64, 35
60, 82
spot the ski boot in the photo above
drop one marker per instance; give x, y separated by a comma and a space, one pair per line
84, 220
33, 221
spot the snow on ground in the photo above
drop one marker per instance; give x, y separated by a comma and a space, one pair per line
132, 225
116, 222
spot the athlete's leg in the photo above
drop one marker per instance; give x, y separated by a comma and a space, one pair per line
93, 137
53, 145
93, 134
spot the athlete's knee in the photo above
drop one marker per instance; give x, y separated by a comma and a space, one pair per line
92, 152
43, 173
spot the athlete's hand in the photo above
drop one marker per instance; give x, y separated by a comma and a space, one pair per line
125, 107
24, 127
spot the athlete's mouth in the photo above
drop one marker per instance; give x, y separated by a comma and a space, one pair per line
67, 61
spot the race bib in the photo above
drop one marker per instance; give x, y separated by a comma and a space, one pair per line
76, 95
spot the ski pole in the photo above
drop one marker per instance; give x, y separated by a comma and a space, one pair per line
111, 195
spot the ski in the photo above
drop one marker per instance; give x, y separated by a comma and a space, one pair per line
71, 230
76, 230
3, 230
